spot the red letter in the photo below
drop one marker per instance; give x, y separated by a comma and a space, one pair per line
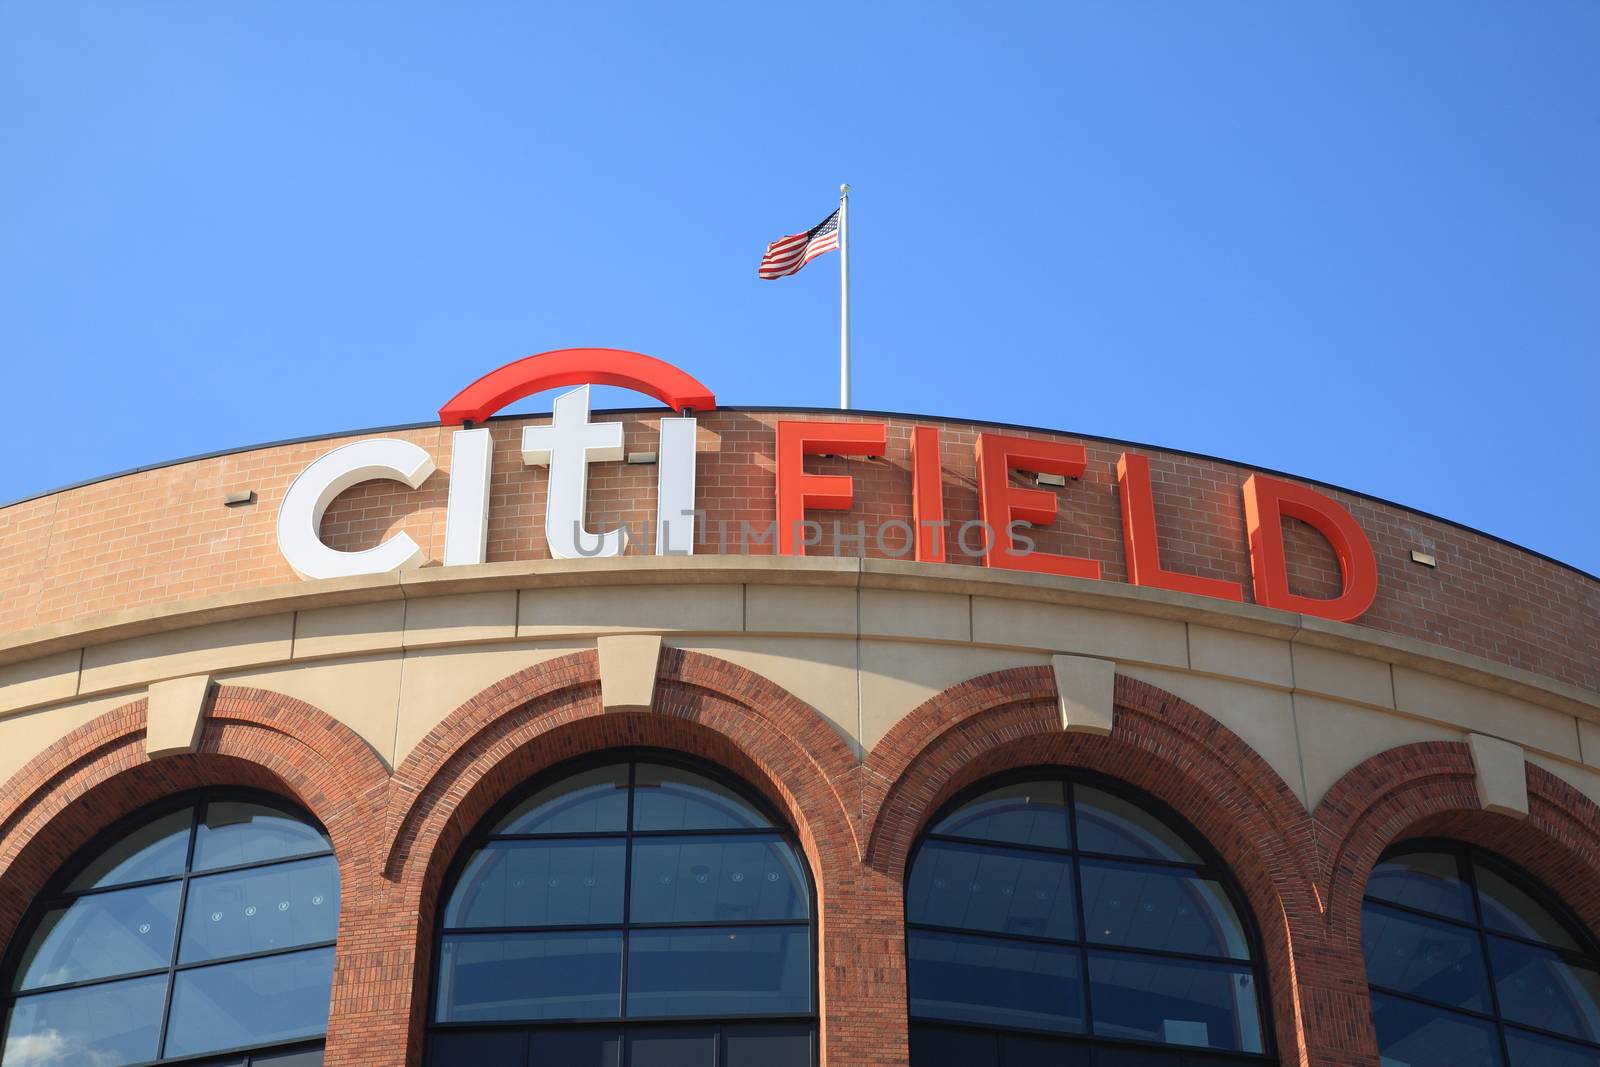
1266, 501
927, 495
1000, 503
1139, 537
798, 490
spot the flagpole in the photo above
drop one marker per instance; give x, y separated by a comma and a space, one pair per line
844, 297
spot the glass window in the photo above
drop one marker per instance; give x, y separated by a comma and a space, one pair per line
639, 891
1058, 905
1469, 961
107, 977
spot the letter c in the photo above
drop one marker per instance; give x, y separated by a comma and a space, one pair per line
309, 495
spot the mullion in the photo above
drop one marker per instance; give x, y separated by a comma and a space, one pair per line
1470, 878
177, 928
1071, 797
1484, 1017
603, 928
1092, 1041
66, 899
627, 906
1204, 870
1084, 946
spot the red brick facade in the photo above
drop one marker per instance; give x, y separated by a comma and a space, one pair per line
161, 536
857, 820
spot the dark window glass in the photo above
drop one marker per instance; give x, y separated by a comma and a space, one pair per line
101, 935
311, 1057
589, 802
667, 798
1509, 908
1536, 1050
1112, 824
236, 832
1139, 906
1486, 911
1000, 983
158, 849
1027, 813
261, 909
248, 965
935, 1046
1424, 881
111, 1024
563, 882
1537, 987
1118, 935
716, 879
1420, 1036
693, 907
672, 1047
507, 977
1175, 1002
979, 887
254, 1002
1423, 957
491, 1048
728, 971
766, 1045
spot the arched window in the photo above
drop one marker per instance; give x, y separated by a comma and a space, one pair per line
1054, 918
1471, 962
200, 930
633, 912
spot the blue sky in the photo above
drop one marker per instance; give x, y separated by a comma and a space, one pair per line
1354, 241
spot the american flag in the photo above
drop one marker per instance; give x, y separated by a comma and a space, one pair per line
788, 254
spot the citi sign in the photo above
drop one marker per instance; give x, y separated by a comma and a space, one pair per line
999, 537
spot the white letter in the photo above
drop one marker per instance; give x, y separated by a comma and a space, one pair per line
569, 444
466, 517
675, 489
309, 495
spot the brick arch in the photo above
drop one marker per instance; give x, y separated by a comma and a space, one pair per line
253, 738
1429, 789
551, 712
1159, 743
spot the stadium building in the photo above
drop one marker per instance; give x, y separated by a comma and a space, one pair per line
693, 736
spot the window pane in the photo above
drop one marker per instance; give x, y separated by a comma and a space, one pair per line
104, 934
1161, 908
235, 832
666, 798
766, 1045
588, 1047
675, 1047
308, 1057
1427, 881
999, 983
1532, 1050
1420, 1036
1110, 824
1174, 1002
254, 1002
495, 1048
260, 910
935, 1046
503, 977
1508, 908
158, 849
1538, 988
985, 888
1422, 957
591, 802
540, 883
728, 971
711, 879
1027, 813
105, 1025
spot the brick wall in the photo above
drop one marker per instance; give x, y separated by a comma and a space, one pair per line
161, 536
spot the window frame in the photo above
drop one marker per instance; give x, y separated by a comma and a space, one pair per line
1211, 867
1468, 857
56, 894
622, 1024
